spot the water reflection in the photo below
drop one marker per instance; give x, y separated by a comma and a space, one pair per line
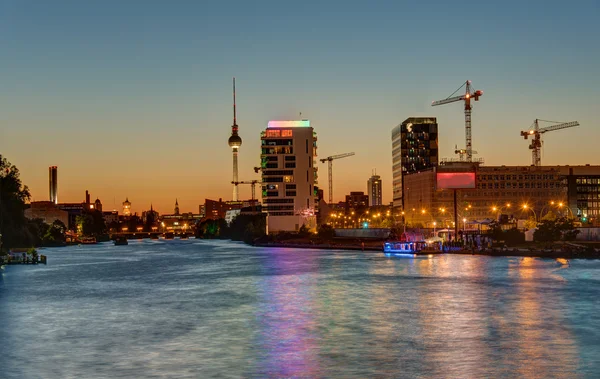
287, 341
545, 345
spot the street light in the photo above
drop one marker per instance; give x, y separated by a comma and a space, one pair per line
526, 207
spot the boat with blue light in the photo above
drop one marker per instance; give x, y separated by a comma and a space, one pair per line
404, 247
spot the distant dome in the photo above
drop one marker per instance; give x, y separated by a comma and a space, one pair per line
235, 141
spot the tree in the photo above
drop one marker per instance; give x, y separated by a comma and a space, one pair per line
326, 232
247, 227
55, 234
555, 230
531, 223
14, 228
37, 229
85, 224
304, 231
133, 223
212, 229
550, 216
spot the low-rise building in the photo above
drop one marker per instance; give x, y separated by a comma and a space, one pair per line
47, 211
509, 192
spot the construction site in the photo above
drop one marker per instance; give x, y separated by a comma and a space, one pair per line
507, 194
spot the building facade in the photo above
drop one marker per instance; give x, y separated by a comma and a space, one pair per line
289, 175
47, 211
512, 192
356, 202
414, 148
213, 209
374, 191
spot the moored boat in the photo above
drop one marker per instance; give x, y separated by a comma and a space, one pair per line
408, 249
88, 240
121, 241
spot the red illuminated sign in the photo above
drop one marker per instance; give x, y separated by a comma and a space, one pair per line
455, 180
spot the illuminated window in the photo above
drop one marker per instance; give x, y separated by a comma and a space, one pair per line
288, 179
273, 133
286, 133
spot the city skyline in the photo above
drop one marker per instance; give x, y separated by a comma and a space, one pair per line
140, 106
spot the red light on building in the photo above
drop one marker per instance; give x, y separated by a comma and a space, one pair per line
455, 180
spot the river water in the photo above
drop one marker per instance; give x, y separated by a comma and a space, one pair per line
216, 309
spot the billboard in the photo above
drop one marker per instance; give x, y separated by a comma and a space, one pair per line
455, 180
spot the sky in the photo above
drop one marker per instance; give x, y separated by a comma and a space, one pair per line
133, 99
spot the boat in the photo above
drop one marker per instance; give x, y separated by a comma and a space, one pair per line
120, 241
183, 236
87, 240
409, 249
154, 236
169, 235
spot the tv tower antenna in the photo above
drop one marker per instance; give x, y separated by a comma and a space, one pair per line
235, 142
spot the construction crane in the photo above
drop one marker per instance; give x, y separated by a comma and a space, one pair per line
252, 183
469, 94
462, 152
330, 169
536, 134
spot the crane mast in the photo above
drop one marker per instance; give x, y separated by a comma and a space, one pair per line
329, 161
469, 94
252, 183
536, 134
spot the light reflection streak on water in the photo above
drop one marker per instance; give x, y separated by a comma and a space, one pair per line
287, 318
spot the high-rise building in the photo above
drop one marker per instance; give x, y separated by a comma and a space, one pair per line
53, 180
126, 207
289, 175
414, 148
235, 141
374, 190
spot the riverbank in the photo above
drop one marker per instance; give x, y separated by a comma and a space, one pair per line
377, 246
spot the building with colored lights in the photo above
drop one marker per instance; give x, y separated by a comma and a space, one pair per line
289, 175
53, 183
414, 148
504, 192
374, 191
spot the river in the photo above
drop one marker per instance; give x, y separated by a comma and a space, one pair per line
218, 309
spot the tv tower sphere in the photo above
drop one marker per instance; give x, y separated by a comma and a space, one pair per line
235, 141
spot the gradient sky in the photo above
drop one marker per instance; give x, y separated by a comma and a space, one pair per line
133, 98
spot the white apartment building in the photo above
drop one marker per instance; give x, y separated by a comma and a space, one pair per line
289, 175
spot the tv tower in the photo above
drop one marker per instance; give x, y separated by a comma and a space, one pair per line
235, 142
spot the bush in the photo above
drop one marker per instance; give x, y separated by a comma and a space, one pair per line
326, 232
514, 237
304, 231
